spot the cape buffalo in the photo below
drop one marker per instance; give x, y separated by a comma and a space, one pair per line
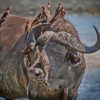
56, 43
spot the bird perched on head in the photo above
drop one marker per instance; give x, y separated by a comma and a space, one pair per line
43, 11
39, 17
27, 27
58, 9
36, 20
43, 14
62, 12
26, 50
59, 5
48, 10
48, 6
5, 15
57, 12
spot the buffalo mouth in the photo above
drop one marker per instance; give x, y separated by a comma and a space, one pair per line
53, 90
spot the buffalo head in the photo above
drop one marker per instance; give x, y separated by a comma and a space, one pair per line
53, 54
67, 64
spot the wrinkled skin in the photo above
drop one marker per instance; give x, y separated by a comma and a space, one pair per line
68, 76
64, 77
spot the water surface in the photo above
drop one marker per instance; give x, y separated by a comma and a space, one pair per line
84, 25
90, 87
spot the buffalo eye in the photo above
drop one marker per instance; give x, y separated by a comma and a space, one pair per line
73, 57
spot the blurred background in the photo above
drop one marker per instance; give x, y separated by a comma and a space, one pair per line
30, 7
83, 14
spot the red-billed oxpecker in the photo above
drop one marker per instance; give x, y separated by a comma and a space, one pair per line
27, 27
5, 15
58, 12
26, 50
58, 9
